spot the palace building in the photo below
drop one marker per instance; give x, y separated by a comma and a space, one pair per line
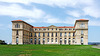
24, 33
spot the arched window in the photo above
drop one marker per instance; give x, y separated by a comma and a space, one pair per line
51, 39
65, 40
60, 40
31, 41
16, 40
43, 40
48, 39
73, 40
69, 41
56, 39
81, 39
39, 41
35, 41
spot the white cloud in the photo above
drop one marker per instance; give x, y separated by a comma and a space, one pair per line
9, 26
74, 13
92, 11
17, 11
30, 20
51, 19
59, 3
88, 7
16, 1
94, 23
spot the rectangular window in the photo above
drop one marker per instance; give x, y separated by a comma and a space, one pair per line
65, 34
43, 34
69, 34
48, 34
82, 32
73, 34
17, 32
39, 34
31, 34
48, 39
60, 34
56, 34
52, 35
35, 34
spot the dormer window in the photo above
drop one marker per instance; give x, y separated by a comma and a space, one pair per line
70, 29
65, 28
35, 29
44, 29
56, 28
60, 29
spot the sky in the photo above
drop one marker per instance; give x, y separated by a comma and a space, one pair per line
49, 12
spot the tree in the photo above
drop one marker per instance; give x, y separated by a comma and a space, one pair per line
2, 42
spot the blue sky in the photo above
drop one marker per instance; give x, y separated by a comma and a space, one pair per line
49, 12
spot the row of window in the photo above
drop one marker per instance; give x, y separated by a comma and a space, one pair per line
52, 39
52, 34
56, 29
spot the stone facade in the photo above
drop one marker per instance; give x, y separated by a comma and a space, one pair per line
24, 33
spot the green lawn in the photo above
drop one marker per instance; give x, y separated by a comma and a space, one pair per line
48, 50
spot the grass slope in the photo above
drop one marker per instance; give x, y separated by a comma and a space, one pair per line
48, 50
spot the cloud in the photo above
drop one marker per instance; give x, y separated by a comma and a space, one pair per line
92, 11
59, 3
9, 26
30, 21
16, 1
15, 10
74, 13
94, 23
79, 8
51, 19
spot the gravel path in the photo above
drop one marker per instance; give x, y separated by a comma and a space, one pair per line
96, 46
